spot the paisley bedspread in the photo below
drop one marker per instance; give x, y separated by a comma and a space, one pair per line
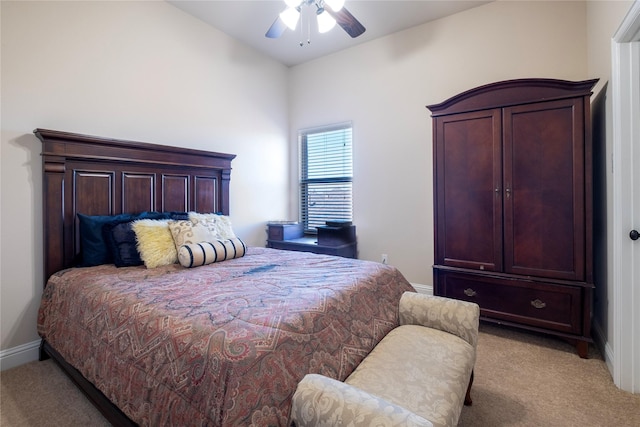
223, 344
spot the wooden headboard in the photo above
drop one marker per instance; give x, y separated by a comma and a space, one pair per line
101, 176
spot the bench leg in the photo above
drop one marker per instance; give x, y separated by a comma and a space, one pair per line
467, 397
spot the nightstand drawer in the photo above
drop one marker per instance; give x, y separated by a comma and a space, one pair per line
539, 304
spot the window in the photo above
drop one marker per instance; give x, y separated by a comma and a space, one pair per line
325, 176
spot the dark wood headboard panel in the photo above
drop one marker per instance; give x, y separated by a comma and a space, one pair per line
101, 176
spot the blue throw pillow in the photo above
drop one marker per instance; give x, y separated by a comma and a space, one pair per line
92, 245
120, 245
179, 216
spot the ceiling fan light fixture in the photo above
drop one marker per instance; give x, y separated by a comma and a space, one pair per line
325, 21
293, 3
335, 5
290, 17
336, 13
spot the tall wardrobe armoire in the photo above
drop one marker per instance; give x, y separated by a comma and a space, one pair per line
513, 204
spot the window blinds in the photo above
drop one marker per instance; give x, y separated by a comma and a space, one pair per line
326, 175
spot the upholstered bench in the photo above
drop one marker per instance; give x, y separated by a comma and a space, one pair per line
420, 374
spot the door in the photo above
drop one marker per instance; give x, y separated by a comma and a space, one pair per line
626, 200
635, 220
544, 189
468, 199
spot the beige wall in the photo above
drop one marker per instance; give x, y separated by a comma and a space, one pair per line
143, 71
384, 85
146, 71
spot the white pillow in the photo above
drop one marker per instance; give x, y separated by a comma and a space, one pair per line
185, 232
220, 225
197, 254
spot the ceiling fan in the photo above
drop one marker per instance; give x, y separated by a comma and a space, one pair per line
328, 13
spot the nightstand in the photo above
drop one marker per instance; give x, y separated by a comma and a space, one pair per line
338, 241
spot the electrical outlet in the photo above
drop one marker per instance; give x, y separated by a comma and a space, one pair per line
384, 258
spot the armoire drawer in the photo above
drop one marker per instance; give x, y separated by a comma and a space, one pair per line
539, 304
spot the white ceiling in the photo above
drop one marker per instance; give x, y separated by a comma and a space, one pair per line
248, 20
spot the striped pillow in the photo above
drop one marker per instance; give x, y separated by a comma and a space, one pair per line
197, 254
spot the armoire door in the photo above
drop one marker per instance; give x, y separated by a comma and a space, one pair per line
468, 173
544, 200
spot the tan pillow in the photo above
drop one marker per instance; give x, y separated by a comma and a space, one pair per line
155, 243
220, 225
197, 254
185, 232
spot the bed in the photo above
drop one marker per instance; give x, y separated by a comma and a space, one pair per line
219, 344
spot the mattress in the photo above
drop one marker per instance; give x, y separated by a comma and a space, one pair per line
224, 344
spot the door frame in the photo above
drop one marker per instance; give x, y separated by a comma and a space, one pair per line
625, 79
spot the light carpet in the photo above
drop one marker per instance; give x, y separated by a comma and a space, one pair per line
521, 379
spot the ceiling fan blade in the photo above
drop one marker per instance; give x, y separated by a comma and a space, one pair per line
276, 29
347, 21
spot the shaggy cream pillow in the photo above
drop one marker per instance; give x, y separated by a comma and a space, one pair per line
155, 243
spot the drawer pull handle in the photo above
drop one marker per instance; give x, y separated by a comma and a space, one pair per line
538, 304
470, 292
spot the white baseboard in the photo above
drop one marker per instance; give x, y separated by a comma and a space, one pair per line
423, 289
603, 345
16, 356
